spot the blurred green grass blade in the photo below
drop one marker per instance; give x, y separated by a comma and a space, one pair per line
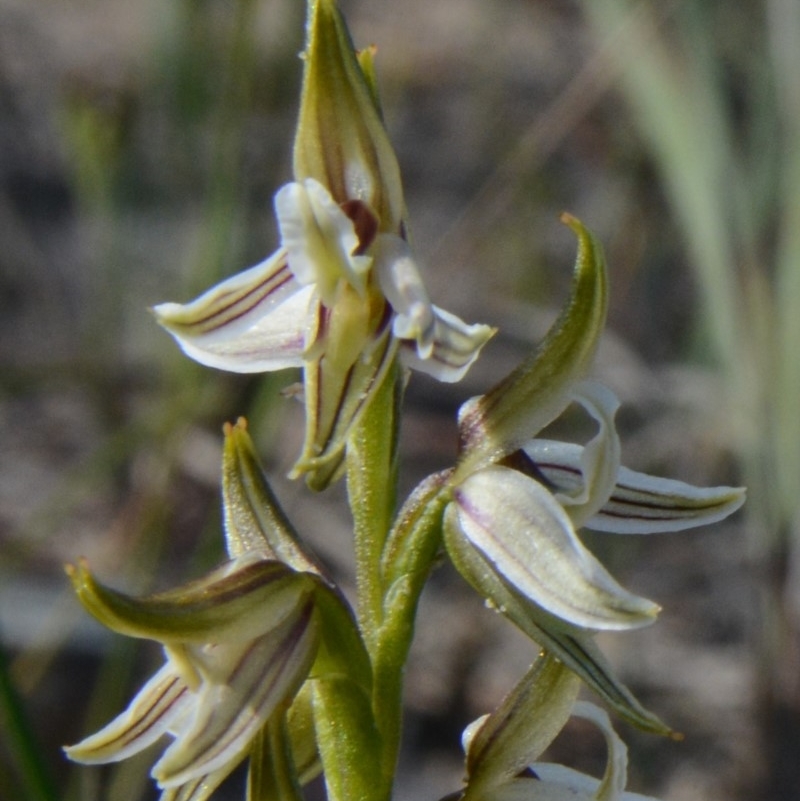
36, 783
784, 38
678, 110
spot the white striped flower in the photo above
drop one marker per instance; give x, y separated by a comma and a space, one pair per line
518, 501
342, 297
238, 645
522, 515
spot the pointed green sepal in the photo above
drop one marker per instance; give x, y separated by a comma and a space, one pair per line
504, 743
366, 60
235, 602
254, 520
341, 141
516, 409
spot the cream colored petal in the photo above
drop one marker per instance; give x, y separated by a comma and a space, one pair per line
550, 782
251, 681
319, 238
402, 285
639, 503
600, 456
574, 784
150, 714
454, 348
252, 322
528, 538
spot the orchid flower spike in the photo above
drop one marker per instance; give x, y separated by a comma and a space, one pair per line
342, 297
518, 501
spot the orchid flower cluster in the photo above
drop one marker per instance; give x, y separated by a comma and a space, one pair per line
265, 661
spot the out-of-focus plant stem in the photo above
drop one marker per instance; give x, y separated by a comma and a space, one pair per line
33, 776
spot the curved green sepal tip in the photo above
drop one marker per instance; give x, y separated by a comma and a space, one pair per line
534, 394
230, 603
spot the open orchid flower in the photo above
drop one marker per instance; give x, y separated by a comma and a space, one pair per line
517, 502
238, 644
501, 748
342, 297
522, 515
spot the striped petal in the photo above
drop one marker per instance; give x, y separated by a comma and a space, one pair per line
524, 533
251, 681
152, 713
639, 503
454, 347
403, 287
573, 646
253, 322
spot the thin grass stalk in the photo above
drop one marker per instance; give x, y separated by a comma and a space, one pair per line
34, 777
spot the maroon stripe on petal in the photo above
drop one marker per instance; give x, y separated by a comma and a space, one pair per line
247, 301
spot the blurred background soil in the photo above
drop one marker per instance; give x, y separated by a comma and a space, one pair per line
140, 146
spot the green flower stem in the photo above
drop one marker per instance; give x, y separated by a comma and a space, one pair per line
372, 491
392, 562
409, 556
349, 743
